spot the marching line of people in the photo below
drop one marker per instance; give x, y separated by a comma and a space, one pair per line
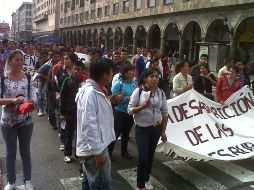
101, 96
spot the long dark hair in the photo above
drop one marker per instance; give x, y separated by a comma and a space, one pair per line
127, 66
179, 65
147, 72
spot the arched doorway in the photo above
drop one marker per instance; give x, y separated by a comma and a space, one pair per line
191, 35
95, 38
71, 37
171, 38
128, 39
84, 37
154, 37
218, 37
102, 39
64, 37
68, 37
75, 38
89, 38
244, 37
118, 38
140, 36
218, 32
79, 37
110, 36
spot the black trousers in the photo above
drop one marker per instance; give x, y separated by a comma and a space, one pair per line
147, 139
71, 125
123, 123
51, 102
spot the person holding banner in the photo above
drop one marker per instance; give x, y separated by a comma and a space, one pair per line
149, 106
182, 82
227, 85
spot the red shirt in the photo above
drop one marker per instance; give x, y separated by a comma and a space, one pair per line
223, 90
56, 68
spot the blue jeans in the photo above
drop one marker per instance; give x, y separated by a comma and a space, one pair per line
41, 95
147, 139
10, 135
94, 178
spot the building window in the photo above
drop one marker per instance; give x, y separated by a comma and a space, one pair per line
82, 3
151, 3
69, 19
116, 8
92, 14
76, 18
87, 15
126, 6
65, 6
61, 21
62, 7
77, 2
168, 1
99, 12
137, 4
72, 18
107, 10
81, 16
73, 5
92, 1
65, 20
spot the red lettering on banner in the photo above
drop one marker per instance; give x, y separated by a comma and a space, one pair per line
195, 136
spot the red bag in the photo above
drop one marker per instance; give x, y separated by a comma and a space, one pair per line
26, 107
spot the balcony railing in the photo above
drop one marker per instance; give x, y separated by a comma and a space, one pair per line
40, 18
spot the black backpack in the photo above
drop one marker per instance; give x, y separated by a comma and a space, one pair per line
28, 76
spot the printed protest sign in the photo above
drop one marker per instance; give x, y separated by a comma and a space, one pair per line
200, 129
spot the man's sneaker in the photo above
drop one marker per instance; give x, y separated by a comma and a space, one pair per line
40, 113
28, 185
61, 147
9, 186
148, 186
67, 159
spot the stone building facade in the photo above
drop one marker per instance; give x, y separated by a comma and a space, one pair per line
46, 19
22, 22
182, 26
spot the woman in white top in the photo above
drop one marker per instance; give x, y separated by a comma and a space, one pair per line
16, 89
182, 82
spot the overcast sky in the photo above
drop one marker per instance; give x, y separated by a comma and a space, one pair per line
7, 7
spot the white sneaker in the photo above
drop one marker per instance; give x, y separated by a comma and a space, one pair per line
67, 159
148, 186
40, 112
61, 147
28, 185
9, 186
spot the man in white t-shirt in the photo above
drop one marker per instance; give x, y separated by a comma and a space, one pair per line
226, 68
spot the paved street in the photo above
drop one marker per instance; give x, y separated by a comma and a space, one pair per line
51, 173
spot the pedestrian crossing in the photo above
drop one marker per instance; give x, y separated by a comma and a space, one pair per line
189, 173
214, 175
130, 176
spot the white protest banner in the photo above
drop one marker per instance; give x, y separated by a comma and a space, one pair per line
82, 57
200, 129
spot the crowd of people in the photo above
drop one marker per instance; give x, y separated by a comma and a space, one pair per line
101, 95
